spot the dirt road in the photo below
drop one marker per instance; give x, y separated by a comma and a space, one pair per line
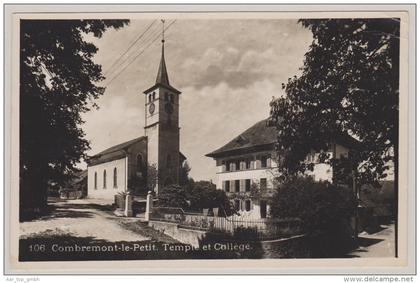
80, 218
380, 244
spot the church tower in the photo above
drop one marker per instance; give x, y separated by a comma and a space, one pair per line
162, 127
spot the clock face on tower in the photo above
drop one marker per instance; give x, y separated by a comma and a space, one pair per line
151, 108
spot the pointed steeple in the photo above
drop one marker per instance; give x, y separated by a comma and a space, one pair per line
162, 75
162, 79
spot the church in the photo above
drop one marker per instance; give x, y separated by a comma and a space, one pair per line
149, 162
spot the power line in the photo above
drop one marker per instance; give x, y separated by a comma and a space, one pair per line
148, 38
128, 49
131, 45
135, 58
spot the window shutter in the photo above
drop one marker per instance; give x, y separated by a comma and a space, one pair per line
269, 161
232, 186
242, 185
224, 185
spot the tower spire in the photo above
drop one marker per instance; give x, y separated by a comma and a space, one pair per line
162, 76
163, 31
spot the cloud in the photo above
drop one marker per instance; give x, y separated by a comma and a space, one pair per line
238, 68
227, 70
115, 122
211, 116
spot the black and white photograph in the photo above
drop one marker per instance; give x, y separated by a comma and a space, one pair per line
159, 136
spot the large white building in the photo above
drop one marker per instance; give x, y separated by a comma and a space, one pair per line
117, 168
248, 163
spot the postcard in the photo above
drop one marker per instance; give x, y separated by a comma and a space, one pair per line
209, 139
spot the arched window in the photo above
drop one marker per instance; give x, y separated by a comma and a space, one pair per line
139, 163
168, 161
95, 181
115, 177
150, 98
104, 179
154, 95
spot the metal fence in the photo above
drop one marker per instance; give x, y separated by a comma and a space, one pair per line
235, 225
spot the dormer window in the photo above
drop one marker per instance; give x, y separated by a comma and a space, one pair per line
241, 140
248, 164
264, 161
238, 165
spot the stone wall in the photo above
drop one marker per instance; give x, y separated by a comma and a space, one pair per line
184, 235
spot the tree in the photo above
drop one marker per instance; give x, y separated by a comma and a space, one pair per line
349, 85
58, 82
204, 194
183, 173
195, 196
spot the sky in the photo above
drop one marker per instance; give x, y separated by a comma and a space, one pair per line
227, 70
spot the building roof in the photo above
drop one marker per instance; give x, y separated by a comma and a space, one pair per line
113, 152
258, 136
118, 151
263, 137
120, 146
162, 78
162, 75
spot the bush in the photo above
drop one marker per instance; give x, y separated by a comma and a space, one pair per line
323, 208
195, 196
204, 194
173, 196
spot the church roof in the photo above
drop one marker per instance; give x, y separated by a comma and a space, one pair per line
113, 152
162, 78
162, 75
258, 136
117, 152
263, 137
121, 146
